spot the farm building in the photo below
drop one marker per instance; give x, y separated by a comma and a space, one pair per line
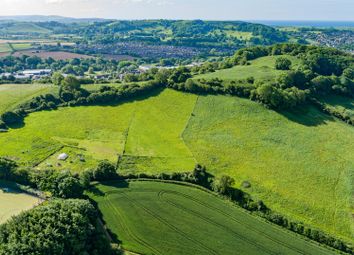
63, 156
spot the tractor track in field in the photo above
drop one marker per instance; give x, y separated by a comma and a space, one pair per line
129, 232
161, 193
171, 226
223, 227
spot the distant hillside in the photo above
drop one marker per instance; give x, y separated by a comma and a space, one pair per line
42, 18
22, 28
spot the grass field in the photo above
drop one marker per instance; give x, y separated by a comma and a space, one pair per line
146, 133
261, 69
24, 28
21, 46
161, 218
299, 164
13, 95
13, 201
285, 156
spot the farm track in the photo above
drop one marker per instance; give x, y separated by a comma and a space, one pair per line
161, 193
129, 232
172, 227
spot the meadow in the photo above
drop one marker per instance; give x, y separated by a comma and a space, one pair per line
261, 69
144, 133
284, 155
24, 28
164, 218
13, 95
297, 163
14, 201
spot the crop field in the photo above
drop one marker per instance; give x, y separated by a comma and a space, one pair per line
14, 201
4, 48
13, 95
145, 133
261, 69
298, 164
164, 218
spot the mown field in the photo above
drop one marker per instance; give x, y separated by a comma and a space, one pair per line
13, 201
261, 69
13, 95
161, 218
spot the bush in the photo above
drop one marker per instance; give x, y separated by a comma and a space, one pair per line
282, 63
10, 118
7, 168
104, 171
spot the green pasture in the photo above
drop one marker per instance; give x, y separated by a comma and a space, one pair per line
14, 201
163, 218
13, 95
299, 164
261, 69
24, 28
21, 46
144, 130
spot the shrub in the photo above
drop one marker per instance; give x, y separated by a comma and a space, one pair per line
282, 63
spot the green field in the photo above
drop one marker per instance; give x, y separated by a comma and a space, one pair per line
285, 156
21, 46
13, 95
161, 218
14, 201
297, 163
146, 133
24, 28
261, 69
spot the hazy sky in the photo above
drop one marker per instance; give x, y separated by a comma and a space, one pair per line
186, 9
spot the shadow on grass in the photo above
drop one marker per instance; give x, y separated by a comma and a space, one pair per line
307, 115
10, 187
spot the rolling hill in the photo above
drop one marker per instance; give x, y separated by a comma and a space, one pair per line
164, 218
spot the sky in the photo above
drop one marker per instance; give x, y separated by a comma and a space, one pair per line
334, 10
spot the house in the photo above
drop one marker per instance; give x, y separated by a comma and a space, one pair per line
36, 73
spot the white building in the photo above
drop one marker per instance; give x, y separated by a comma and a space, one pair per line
63, 156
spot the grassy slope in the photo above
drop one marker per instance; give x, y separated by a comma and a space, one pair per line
25, 27
148, 130
261, 68
299, 167
286, 158
160, 218
14, 201
13, 95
